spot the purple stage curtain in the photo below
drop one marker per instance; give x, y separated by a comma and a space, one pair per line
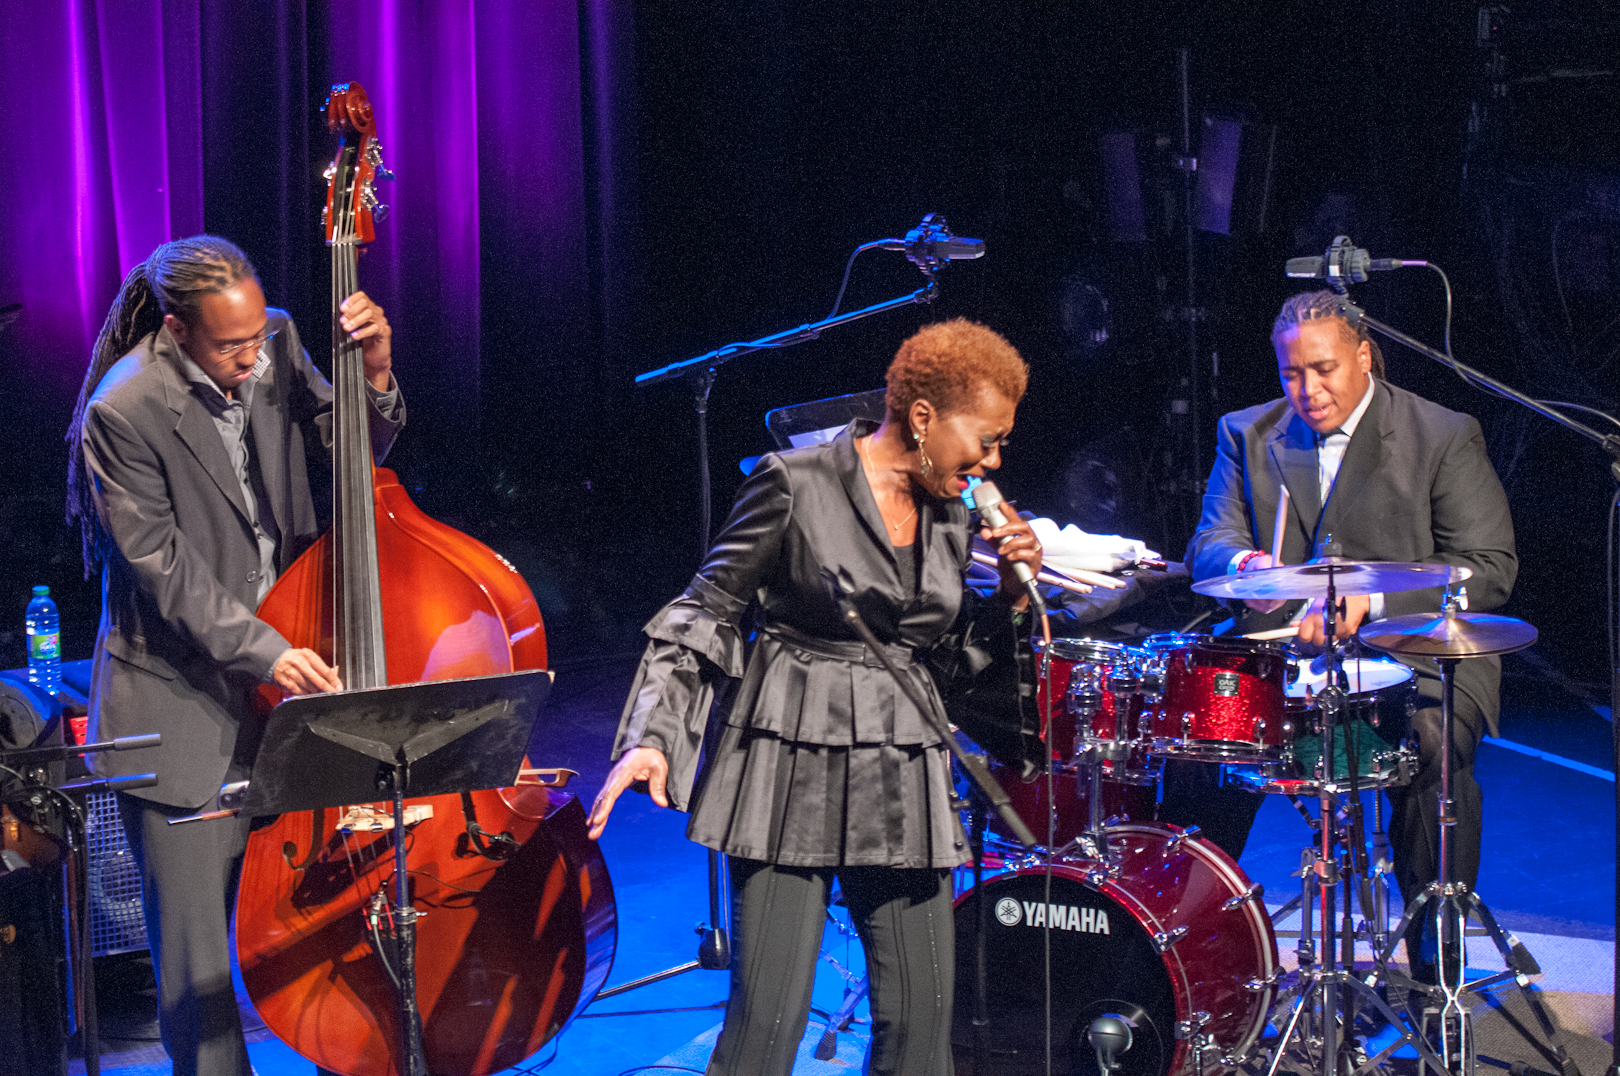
133, 122
101, 162
418, 64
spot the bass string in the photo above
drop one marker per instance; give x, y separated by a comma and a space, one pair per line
354, 552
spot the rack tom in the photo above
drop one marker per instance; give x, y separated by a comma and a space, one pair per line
1216, 699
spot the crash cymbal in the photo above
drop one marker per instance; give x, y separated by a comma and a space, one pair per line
1458, 635
1349, 577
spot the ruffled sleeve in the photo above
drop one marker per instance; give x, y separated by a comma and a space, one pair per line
695, 641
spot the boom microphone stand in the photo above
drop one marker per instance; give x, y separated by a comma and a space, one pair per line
1343, 270
928, 246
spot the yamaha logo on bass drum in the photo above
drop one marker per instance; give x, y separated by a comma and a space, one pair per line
1010, 912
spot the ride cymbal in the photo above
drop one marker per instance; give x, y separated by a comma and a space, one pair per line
1349, 577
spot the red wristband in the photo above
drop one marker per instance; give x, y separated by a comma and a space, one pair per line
1244, 563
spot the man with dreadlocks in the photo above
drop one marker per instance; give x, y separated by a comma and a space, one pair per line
1390, 476
189, 482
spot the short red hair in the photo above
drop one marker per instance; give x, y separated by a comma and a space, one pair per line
949, 363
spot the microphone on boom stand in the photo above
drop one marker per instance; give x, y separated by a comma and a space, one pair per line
1345, 264
931, 244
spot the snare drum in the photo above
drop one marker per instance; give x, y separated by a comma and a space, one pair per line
1376, 702
1217, 699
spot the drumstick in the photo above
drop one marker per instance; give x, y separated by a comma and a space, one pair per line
1081, 575
1044, 577
1277, 529
1275, 633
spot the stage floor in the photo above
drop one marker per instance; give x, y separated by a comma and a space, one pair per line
1548, 875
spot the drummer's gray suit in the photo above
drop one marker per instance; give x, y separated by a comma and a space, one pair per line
1415, 485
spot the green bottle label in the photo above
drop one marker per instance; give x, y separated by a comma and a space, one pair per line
43, 647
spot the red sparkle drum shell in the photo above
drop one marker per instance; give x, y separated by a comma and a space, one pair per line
1090, 659
1222, 699
1177, 931
1071, 791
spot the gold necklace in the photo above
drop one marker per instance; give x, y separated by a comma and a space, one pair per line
871, 476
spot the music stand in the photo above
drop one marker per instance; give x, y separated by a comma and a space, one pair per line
428, 739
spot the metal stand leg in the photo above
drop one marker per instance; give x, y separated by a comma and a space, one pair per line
1450, 904
1330, 992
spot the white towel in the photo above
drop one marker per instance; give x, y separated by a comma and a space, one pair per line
1072, 547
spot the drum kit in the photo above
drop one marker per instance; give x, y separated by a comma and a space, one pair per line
1145, 950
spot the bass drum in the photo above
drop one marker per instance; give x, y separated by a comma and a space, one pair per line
1217, 967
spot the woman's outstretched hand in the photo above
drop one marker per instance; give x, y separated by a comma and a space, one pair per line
637, 764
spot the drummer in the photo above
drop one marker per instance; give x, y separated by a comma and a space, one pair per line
1385, 475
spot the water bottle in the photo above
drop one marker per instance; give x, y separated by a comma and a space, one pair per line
44, 642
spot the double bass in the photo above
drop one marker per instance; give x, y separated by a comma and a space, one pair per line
517, 924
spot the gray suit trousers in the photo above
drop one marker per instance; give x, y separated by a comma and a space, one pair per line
189, 875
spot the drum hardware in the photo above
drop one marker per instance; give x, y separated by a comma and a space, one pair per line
1173, 845
1323, 1014
1257, 985
1449, 638
1165, 939
1254, 893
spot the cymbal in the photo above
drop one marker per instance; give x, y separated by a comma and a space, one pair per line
1349, 577
1460, 635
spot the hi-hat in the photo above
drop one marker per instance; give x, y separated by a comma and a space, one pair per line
1454, 635
1349, 577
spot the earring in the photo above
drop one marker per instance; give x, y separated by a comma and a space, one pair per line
927, 464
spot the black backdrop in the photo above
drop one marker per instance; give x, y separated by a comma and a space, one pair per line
736, 153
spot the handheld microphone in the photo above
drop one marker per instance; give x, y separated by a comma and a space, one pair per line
987, 499
1344, 264
931, 244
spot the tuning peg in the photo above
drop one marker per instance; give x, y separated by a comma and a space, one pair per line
368, 198
374, 158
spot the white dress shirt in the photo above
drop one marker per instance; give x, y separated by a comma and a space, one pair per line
1330, 450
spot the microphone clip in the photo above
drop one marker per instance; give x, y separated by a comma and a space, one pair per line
1345, 264
930, 245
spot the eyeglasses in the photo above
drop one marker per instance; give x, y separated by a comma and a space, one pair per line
255, 343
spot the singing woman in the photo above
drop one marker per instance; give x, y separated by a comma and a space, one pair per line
823, 768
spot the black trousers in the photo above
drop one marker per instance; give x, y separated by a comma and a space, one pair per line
1193, 796
905, 924
188, 880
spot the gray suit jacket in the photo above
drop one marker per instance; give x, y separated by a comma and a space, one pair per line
179, 650
1415, 485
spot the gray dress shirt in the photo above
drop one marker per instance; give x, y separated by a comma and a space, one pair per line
230, 416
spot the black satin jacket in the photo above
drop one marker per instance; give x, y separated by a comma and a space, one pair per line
809, 679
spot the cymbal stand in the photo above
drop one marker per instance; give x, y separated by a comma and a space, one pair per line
1609, 442
1328, 991
1451, 903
